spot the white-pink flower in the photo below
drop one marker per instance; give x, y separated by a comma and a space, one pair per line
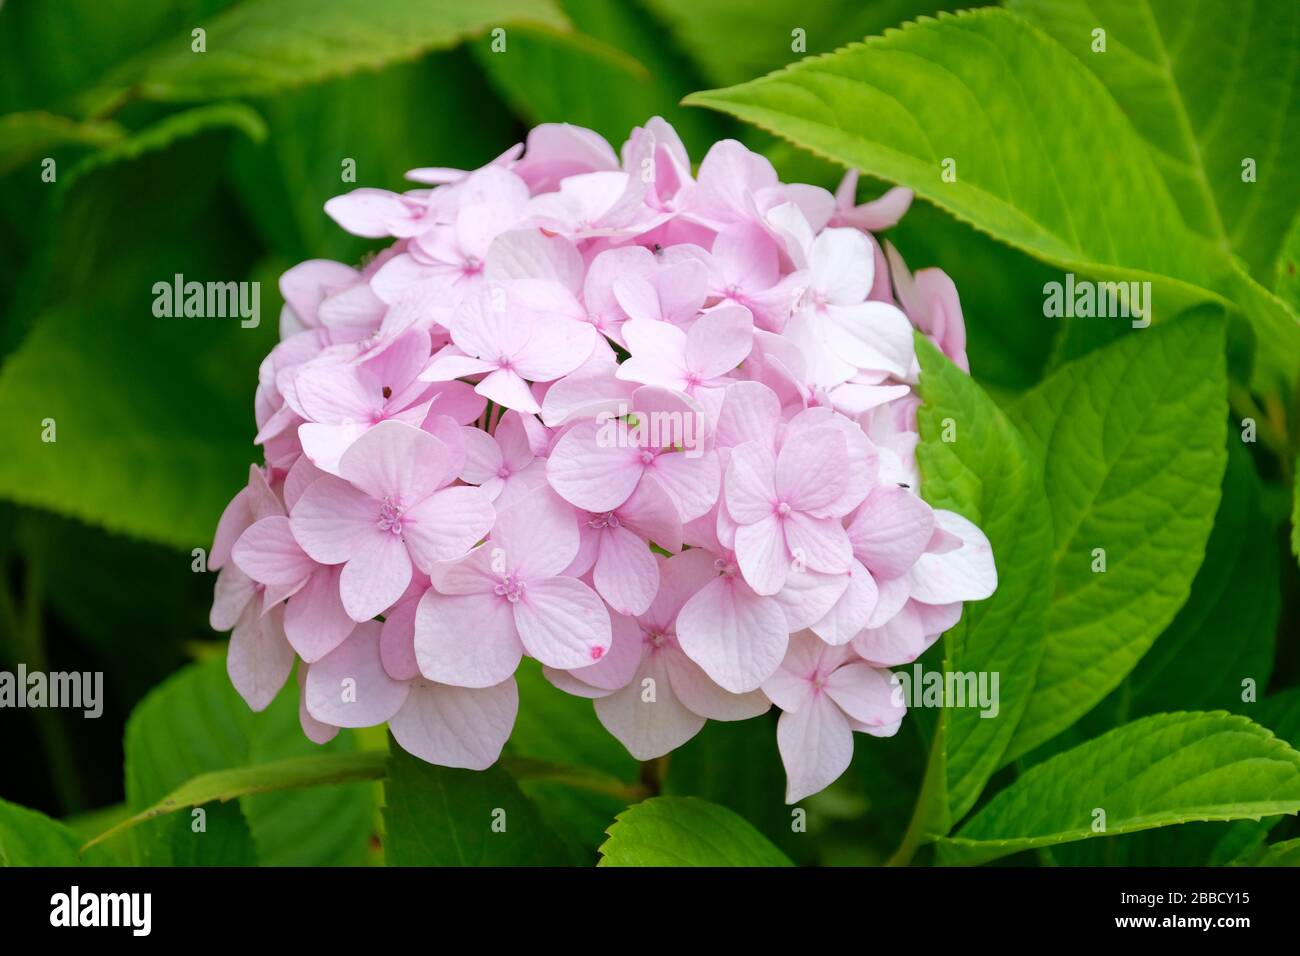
389, 511
510, 595
825, 694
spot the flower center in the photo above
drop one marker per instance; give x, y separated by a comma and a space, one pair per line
606, 520
390, 515
510, 588
783, 508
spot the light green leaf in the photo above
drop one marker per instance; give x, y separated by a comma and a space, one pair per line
974, 462
989, 99
1192, 844
736, 765
1207, 86
195, 724
261, 47
24, 136
442, 816
1132, 440
768, 39
1157, 771
226, 785
686, 831
30, 838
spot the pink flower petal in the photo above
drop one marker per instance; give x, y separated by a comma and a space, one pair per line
468, 640
259, 659
349, 687
737, 636
315, 621
563, 623
456, 726
375, 577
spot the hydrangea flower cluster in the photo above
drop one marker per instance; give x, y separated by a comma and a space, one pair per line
654, 429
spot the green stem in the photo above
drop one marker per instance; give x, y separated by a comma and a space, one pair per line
50, 727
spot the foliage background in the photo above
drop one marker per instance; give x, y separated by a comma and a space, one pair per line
217, 166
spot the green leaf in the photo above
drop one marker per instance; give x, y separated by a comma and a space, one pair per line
1206, 86
28, 135
585, 86
736, 765
442, 816
261, 47
226, 785
29, 838
1132, 440
993, 281
51, 51
1194, 844
1226, 631
768, 39
985, 472
559, 729
1157, 771
997, 97
195, 724
1286, 853
686, 831
157, 459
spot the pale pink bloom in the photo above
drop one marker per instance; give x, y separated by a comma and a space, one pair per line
874, 216
672, 292
442, 266
259, 659
698, 361
745, 268
440, 175
615, 547
598, 463
918, 604
495, 461
508, 595
556, 151
305, 286
449, 726
930, 300
489, 339
737, 636
787, 506
839, 331
341, 402
651, 696
825, 695
388, 510
378, 213
735, 184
